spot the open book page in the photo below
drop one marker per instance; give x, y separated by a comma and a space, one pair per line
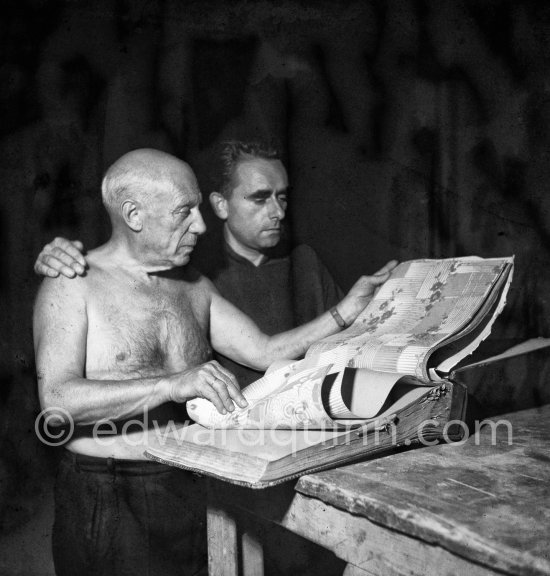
449, 353
300, 396
363, 393
422, 305
282, 399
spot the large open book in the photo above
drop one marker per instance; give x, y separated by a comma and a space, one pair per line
383, 382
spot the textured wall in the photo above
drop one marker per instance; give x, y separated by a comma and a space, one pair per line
411, 129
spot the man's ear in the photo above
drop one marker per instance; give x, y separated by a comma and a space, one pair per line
219, 204
132, 215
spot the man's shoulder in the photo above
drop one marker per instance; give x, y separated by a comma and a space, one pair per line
190, 273
194, 280
304, 252
78, 285
61, 296
309, 268
64, 289
62, 284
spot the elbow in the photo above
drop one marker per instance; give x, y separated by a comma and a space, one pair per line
265, 361
261, 358
256, 362
56, 416
55, 412
275, 354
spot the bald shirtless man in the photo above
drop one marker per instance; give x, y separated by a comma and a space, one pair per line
128, 341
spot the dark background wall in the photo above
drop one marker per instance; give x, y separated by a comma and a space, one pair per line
411, 128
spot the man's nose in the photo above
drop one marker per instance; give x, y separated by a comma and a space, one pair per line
276, 210
198, 226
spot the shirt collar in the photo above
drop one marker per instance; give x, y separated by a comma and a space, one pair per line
241, 259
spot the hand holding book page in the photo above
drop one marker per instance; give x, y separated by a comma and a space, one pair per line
423, 321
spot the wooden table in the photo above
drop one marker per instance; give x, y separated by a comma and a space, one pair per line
477, 509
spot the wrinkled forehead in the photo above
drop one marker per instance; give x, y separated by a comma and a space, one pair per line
261, 174
176, 187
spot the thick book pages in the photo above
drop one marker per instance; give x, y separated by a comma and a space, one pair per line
264, 457
428, 317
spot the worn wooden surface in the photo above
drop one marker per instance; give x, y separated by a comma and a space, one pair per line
481, 508
366, 546
486, 500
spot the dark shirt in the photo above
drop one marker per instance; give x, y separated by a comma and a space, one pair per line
279, 294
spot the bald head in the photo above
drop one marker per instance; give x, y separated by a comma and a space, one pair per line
153, 200
139, 174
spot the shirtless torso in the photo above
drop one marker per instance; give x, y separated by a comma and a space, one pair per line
136, 326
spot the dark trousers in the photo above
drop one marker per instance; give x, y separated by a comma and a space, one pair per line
118, 517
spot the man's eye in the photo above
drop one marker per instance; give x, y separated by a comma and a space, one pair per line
259, 201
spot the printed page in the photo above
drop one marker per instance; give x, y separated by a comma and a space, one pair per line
287, 398
292, 398
423, 304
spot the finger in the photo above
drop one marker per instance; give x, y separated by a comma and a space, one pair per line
55, 263
226, 385
75, 249
232, 385
387, 268
68, 258
43, 270
234, 389
237, 396
208, 392
377, 280
60, 242
51, 263
222, 389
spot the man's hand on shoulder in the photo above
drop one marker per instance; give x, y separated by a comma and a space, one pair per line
61, 256
362, 292
211, 381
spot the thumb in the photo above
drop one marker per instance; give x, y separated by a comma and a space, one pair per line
387, 268
379, 277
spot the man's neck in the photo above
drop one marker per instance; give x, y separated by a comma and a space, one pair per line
253, 256
121, 254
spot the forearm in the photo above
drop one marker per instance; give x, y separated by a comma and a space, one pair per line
295, 343
236, 336
88, 401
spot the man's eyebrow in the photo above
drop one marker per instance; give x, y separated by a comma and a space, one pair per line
188, 203
265, 193
182, 206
